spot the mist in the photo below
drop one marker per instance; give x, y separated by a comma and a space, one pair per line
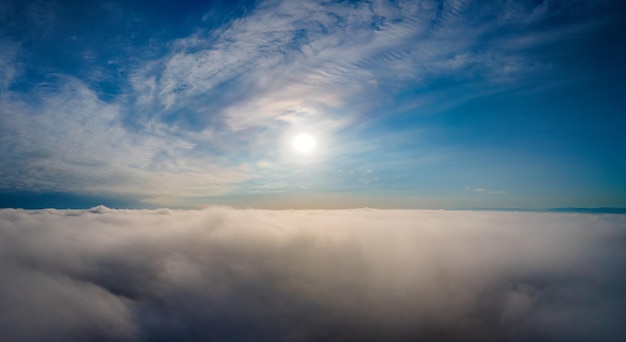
223, 274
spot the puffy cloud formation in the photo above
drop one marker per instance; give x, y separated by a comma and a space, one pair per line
222, 274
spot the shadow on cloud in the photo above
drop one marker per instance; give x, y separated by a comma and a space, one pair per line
346, 275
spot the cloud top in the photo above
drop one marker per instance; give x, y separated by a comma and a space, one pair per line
345, 275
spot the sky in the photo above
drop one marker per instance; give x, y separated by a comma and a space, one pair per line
410, 104
224, 274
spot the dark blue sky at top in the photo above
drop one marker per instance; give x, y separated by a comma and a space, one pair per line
417, 104
75, 37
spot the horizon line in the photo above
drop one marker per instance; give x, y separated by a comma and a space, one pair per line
590, 210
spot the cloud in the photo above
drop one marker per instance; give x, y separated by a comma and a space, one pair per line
8, 70
486, 191
306, 60
71, 140
342, 275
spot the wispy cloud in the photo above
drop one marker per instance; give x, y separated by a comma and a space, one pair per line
71, 140
486, 191
308, 59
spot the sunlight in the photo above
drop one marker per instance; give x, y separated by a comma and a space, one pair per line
303, 143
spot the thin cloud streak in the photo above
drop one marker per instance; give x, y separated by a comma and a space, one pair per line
486, 191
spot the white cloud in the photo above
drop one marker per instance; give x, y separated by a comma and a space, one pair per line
316, 57
225, 274
73, 141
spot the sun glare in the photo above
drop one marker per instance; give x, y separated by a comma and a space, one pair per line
303, 143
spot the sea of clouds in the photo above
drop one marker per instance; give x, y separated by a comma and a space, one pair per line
224, 274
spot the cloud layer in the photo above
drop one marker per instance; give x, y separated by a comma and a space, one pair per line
350, 275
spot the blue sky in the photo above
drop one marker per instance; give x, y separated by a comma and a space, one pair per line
412, 104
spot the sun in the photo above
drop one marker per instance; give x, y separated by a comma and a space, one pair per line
303, 143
